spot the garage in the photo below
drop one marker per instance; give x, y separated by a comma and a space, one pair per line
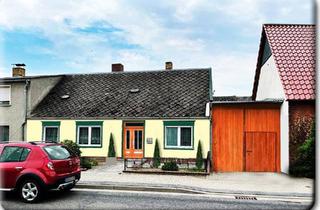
246, 136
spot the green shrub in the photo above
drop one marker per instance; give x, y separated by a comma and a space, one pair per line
304, 165
85, 163
199, 158
93, 162
195, 169
88, 162
300, 130
156, 155
73, 146
170, 166
111, 151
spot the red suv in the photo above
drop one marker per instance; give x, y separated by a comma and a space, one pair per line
33, 168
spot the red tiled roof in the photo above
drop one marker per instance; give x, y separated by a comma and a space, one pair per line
294, 48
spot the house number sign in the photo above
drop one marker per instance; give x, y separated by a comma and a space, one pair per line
149, 140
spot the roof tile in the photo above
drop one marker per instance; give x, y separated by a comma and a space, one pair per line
293, 47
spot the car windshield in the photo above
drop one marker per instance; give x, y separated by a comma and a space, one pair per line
58, 152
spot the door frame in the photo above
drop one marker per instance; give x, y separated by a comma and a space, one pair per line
124, 122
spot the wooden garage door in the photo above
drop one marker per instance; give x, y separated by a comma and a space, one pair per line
260, 151
228, 139
238, 129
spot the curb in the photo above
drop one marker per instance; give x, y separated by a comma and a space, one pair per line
184, 189
137, 188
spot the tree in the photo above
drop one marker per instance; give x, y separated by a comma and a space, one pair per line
304, 165
156, 155
199, 158
111, 151
300, 130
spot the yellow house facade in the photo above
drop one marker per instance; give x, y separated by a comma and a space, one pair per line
153, 129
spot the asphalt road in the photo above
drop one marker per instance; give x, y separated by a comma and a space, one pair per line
107, 199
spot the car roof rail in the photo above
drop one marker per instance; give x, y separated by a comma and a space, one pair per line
36, 142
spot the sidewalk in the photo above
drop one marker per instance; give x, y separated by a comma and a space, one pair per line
112, 177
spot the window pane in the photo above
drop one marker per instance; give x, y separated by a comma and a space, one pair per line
83, 135
24, 154
140, 139
57, 152
95, 135
4, 133
5, 95
51, 134
171, 136
185, 137
128, 140
137, 139
11, 154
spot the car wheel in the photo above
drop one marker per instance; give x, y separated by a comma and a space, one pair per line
30, 191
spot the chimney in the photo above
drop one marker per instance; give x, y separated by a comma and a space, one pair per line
169, 65
18, 70
117, 67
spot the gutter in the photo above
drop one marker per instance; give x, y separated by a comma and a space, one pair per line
26, 88
119, 118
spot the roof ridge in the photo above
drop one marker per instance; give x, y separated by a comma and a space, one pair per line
137, 71
288, 24
97, 73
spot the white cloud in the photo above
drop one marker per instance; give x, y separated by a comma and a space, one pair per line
187, 32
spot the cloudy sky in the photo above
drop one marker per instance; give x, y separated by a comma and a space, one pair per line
66, 36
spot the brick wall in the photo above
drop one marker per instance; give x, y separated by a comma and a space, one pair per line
301, 115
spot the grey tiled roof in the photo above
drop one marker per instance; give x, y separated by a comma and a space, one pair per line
242, 99
168, 94
231, 98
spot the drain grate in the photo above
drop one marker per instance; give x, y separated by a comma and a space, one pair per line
245, 198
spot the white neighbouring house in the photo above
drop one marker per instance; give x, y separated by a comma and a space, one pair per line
286, 70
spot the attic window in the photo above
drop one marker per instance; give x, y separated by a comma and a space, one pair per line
65, 96
134, 90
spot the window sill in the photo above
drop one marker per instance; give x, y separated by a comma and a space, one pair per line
5, 105
179, 148
90, 146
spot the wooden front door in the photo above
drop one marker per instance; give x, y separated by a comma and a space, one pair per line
260, 151
133, 142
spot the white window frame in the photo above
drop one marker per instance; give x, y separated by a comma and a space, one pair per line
2, 86
45, 132
89, 135
178, 137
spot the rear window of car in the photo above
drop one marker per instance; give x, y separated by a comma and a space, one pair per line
58, 152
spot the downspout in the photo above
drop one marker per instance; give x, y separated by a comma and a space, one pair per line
26, 88
209, 114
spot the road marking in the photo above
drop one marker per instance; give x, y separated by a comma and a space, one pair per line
293, 199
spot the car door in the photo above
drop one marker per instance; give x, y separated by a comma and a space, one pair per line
11, 164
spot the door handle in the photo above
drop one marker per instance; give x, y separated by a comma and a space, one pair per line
18, 168
249, 151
